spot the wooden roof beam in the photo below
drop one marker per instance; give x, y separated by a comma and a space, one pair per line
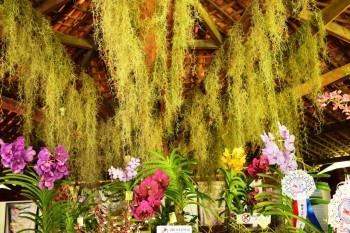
333, 10
49, 5
339, 31
75, 41
332, 28
326, 79
204, 44
218, 8
331, 160
17, 107
209, 23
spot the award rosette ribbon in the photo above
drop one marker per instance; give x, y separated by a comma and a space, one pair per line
339, 208
299, 186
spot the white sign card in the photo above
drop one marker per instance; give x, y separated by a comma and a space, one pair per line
174, 229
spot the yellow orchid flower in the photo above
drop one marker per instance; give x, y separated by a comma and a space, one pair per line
234, 160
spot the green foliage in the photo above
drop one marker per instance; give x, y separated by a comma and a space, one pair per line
52, 214
236, 195
77, 208
37, 58
130, 76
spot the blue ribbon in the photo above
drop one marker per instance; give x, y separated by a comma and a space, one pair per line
311, 215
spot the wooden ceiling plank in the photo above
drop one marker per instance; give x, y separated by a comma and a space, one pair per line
323, 4
326, 79
209, 23
334, 9
75, 41
15, 106
87, 58
49, 5
12, 126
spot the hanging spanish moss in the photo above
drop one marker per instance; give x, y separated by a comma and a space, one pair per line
263, 68
250, 86
140, 86
88, 158
34, 55
37, 58
182, 38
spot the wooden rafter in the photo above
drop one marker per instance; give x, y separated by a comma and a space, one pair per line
331, 160
324, 146
336, 127
332, 143
204, 44
17, 107
209, 23
75, 41
333, 10
49, 5
326, 79
332, 28
339, 31
218, 8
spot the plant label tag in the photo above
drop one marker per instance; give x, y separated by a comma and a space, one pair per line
172, 218
129, 195
263, 221
174, 229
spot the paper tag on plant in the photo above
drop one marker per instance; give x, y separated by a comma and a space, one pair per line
172, 218
129, 195
263, 221
80, 221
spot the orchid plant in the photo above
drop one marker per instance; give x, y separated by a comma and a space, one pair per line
280, 160
125, 177
285, 157
236, 193
182, 189
123, 184
38, 184
339, 100
148, 196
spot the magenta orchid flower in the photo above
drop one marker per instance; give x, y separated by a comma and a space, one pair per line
162, 178
148, 187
